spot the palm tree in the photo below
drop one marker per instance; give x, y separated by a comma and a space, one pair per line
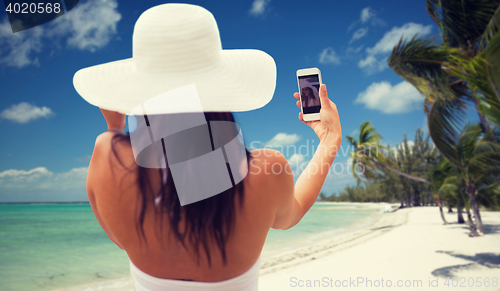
476, 158
464, 68
368, 154
391, 181
437, 175
415, 160
451, 189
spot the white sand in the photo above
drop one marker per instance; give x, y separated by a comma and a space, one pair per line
411, 245
407, 245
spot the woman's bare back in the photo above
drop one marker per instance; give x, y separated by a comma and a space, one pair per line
113, 194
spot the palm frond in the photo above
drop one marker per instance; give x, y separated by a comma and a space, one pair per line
475, 72
489, 196
467, 141
492, 58
492, 28
487, 144
464, 22
434, 10
484, 160
368, 134
424, 64
451, 186
352, 141
445, 120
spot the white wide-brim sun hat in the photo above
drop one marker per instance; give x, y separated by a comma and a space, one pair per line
175, 45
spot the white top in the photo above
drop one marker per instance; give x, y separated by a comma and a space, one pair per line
311, 102
244, 282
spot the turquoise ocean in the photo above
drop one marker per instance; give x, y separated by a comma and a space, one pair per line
51, 246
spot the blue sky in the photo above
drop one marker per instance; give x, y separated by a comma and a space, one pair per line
48, 131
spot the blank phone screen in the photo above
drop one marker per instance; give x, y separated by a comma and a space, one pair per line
309, 94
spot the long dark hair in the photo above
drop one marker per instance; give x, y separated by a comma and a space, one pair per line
311, 92
211, 217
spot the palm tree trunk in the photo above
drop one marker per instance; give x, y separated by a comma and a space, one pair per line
460, 217
469, 222
471, 190
440, 204
412, 195
400, 198
416, 197
418, 179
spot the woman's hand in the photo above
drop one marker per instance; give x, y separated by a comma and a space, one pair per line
328, 127
115, 120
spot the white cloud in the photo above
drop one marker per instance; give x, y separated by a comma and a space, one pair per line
40, 184
25, 112
391, 38
16, 49
410, 143
375, 60
259, 7
20, 174
366, 14
352, 52
329, 56
373, 65
283, 139
391, 99
89, 26
359, 34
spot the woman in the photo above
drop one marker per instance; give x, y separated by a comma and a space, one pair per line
214, 243
308, 97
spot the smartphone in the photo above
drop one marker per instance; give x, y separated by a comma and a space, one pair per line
309, 81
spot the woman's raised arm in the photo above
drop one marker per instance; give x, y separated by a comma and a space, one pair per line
296, 203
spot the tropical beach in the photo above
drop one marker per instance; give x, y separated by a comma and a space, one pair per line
407, 249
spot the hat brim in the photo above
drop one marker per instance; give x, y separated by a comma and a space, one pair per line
244, 80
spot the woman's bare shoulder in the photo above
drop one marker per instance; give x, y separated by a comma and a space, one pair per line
269, 162
111, 149
271, 169
112, 160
